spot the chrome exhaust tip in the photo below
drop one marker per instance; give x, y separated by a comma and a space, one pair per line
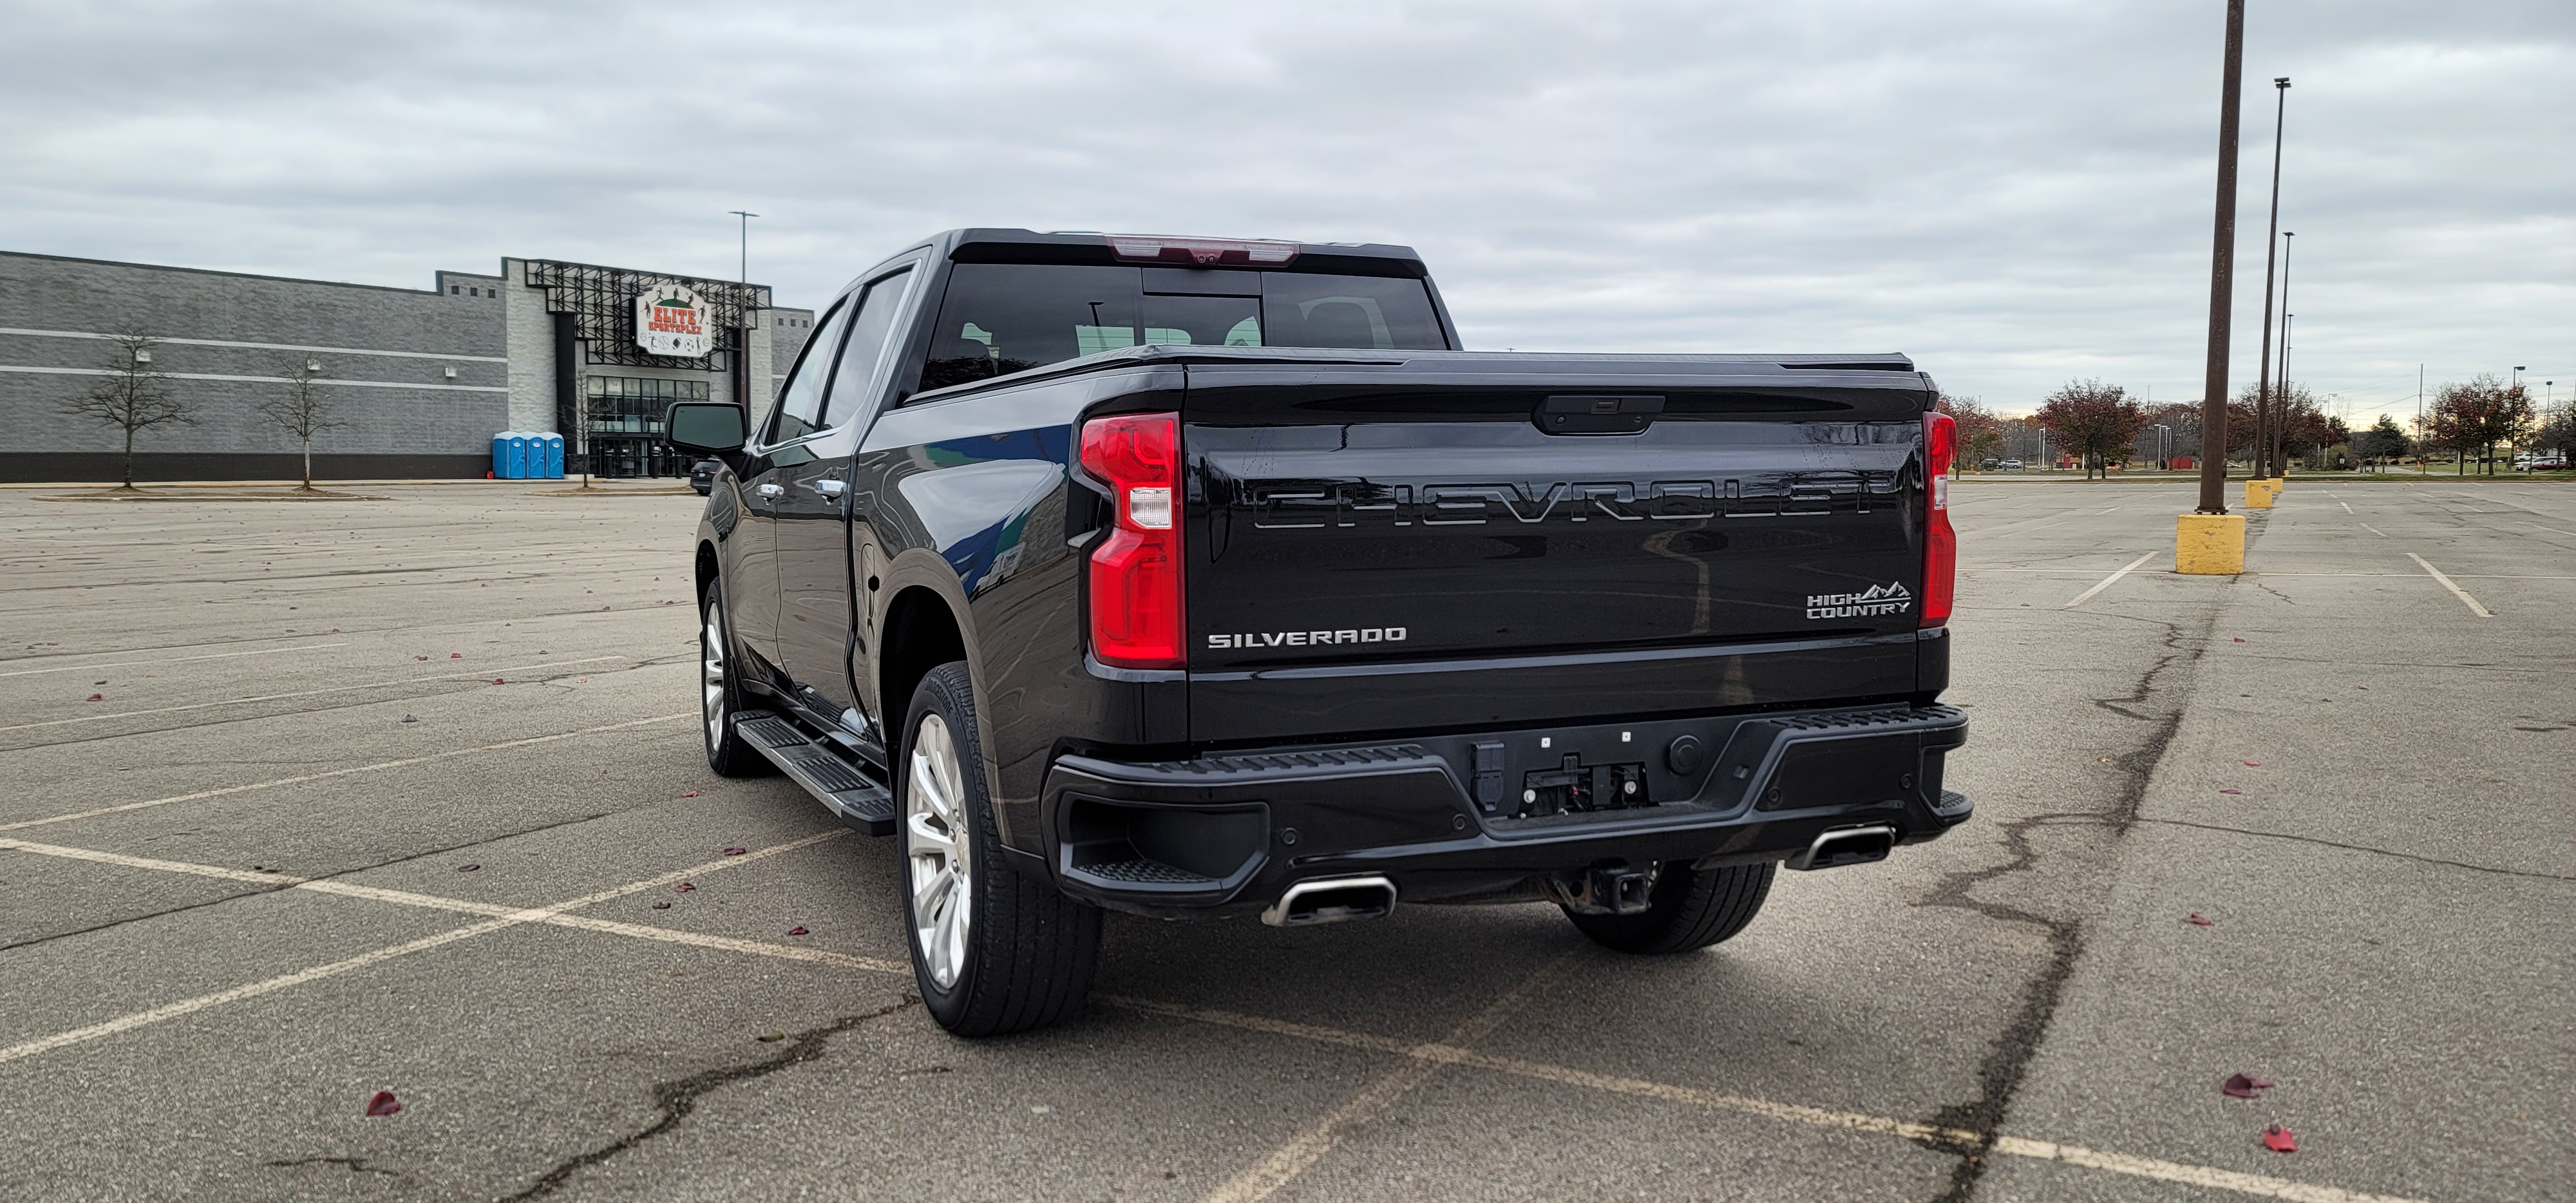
1847, 846
1332, 900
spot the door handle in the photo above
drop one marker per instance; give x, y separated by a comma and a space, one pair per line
769, 490
829, 487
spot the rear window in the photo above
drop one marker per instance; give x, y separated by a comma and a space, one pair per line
1000, 318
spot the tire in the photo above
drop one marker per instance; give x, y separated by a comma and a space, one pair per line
720, 694
1687, 910
993, 951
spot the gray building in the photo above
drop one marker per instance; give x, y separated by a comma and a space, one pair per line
422, 379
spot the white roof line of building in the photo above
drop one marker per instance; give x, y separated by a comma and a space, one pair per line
217, 342
444, 388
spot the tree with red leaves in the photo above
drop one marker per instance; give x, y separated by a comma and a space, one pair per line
2478, 415
2096, 421
1981, 433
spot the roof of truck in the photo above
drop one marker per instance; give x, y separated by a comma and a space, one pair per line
1575, 369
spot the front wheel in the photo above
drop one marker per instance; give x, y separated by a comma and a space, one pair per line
993, 951
1687, 909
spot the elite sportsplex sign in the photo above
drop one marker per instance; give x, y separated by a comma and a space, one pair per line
671, 320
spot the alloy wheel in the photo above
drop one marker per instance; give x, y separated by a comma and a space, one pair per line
711, 672
935, 827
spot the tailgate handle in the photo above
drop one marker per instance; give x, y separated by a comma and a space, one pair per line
1597, 413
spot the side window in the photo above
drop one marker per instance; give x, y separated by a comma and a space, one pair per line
801, 402
866, 346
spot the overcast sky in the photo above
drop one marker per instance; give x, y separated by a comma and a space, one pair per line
2013, 193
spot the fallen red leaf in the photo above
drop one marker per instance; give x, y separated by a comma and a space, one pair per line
690, 794
467, 868
384, 1103
409, 718
2279, 1140
736, 851
2199, 920
420, 657
2245, 1086
2240, 639
2254, 764
455, 655
2229, 791
682, 888
496, 680
98, 697
796, 931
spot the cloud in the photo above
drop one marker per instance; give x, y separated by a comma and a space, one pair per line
2014, 193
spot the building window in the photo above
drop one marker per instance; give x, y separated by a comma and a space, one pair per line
455, 289
635, 404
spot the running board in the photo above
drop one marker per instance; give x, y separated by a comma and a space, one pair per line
832, 779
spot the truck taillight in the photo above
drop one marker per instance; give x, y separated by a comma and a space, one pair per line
1940, 543
1136, 617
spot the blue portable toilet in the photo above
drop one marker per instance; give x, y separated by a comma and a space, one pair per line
554, 455
518, 455
501, 455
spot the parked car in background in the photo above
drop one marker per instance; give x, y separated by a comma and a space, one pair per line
702, 476
2012, 465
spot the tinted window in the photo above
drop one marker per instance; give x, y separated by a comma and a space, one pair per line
1378, 312
802, 399
1000, 318
865, 347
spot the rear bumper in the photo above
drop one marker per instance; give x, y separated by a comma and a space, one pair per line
1456, 817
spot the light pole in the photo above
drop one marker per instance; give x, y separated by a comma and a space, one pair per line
2222, 257
2281, 402
2265, 412
746, 244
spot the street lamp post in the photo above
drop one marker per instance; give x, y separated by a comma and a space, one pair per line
2266, 413
745, 277
2281, 400
2222, 262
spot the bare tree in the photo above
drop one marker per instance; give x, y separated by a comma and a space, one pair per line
302, 410
131, 396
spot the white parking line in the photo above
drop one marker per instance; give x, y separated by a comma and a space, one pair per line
2347, 506
2107, 582
67, 668
1264, 1178
326, 775
511, 918
1436, 1053
2551, 529
2374, 530
2453, 586
273, 697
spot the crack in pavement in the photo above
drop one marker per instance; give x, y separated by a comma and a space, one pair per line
289, 883
355, 1165
2409, 856
2008, 1056
678, 1098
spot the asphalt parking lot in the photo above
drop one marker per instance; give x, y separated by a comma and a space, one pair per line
321, 799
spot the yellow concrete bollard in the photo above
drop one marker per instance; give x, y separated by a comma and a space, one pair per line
2209, 544
2258, 495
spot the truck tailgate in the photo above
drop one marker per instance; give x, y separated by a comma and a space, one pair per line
1468, 539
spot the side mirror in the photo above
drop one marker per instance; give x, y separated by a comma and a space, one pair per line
706, 427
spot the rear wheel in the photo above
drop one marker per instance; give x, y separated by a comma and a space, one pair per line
1687, 909
992, 951
720, 695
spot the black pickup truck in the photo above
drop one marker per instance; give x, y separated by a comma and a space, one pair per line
1196, 577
